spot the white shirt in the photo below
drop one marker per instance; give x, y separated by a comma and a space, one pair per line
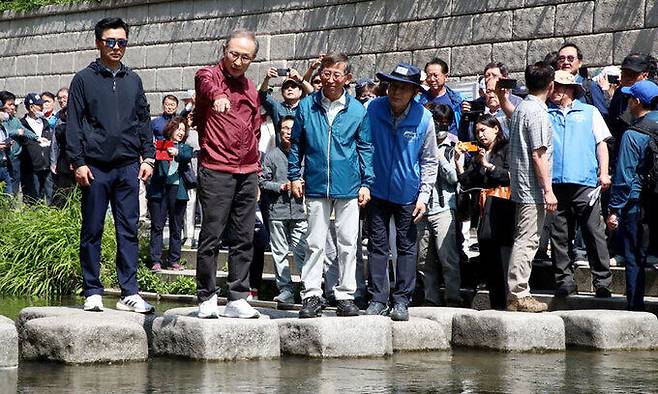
267, 136
333, 107
36, 125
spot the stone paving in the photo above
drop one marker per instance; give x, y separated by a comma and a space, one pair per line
71, 335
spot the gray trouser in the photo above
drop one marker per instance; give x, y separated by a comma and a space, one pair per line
573, 206
529, 222
318, 212
331, 266
287, 235
440, 228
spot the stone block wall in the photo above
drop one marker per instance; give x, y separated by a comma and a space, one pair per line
170, 40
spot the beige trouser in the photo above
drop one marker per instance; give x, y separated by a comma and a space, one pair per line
529, 222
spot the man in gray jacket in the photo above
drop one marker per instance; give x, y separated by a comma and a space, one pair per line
286, 212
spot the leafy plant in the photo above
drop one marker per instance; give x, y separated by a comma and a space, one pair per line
29, 5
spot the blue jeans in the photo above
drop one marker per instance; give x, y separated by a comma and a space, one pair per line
379, 215
634, 238
120, 187
5, 177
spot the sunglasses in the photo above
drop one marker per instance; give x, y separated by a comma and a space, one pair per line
112, 42
570, 58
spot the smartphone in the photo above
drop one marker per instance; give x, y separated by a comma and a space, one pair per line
477, 106
613, 79
282, 72
506, 83
470, 146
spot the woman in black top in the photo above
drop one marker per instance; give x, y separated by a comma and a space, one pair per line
488, 169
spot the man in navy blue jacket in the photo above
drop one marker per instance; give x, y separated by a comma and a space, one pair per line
331, 136
627, 210
107, 134
405, 164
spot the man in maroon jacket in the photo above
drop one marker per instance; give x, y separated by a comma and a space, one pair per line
228, 121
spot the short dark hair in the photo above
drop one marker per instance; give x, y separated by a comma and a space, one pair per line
503, 68
109, 23
283, 119
440, 62
172, 126
567, 44
334, 58
64, 89
490, 120
170, 97
441, 111
48, 94
551, 58
538, 77
6, 96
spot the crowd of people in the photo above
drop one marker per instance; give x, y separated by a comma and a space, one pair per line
563, 168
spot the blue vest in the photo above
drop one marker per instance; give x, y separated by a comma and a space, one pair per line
396, 160
574, 155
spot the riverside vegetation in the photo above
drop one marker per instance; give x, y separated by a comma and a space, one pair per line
39, 253
29, 5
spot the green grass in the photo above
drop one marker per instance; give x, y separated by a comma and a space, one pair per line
30, 5
39, 253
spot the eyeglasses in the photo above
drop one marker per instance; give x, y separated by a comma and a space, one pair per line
111, 42
236, 56
326, 74
570, 58
434, 76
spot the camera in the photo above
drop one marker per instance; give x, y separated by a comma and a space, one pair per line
282, 72
506, 83
613, 79
477, 109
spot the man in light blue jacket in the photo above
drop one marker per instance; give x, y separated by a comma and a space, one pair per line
331, 136
405, 164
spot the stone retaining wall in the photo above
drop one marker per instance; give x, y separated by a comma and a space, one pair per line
170, 40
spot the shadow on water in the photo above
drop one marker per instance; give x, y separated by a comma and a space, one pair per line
458, 371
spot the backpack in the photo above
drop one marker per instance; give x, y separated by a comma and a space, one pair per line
651, 164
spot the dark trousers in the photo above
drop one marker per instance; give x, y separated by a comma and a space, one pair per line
228, 203
261, 240
161, 209
494, 271
635, 241
120, 187
379, 215
573, 206
37, 185
15, 171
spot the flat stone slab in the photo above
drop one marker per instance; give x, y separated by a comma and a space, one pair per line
441, 315
329, 337
180, 333
78, 339
419, 334
8, 343
265, 313
509, 331
610, 329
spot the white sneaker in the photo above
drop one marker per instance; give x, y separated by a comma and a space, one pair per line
135, 303
208, 309
240, 309
188, 243
94, 303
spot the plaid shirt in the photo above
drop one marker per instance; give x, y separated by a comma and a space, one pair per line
530, 129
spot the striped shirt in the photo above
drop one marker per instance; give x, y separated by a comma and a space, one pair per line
530, 130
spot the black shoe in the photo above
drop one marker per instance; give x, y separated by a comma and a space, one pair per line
603, 292
377, 308
311, 307
346, 308
399, 312
564, 292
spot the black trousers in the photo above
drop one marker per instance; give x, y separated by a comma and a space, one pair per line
573, 206
228, 203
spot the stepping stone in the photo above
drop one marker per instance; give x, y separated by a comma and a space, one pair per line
441, 315
8, 343
419, 334
610, 329
9, 380
78, 339
509, 331
180, 333
265, 312
31, 313
326, 337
